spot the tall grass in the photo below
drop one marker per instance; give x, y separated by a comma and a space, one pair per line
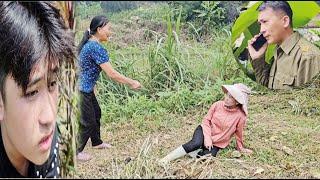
166, 69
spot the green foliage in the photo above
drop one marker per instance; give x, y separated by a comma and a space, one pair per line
316, 32
151, 12
303, 12
245, 19
210, 15
165, 67
116, 6
85, 10
186, 8
232, 10
202, 16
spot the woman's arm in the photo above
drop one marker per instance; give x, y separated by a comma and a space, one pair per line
116, 76
206, 126
239, 136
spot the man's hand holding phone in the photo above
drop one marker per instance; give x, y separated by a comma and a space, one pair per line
257, 46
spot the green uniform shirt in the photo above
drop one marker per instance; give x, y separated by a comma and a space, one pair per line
295, 62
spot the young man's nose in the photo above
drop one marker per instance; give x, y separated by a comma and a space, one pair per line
48, 109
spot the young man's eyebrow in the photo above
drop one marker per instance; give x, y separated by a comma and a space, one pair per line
35, 81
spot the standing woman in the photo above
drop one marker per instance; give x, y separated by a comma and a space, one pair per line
92, 59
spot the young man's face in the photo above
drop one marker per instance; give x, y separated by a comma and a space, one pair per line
272, 25
28, 120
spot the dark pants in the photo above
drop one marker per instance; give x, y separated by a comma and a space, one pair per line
89, 127
197, 142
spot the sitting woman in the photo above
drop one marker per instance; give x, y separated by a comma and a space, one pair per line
224, 119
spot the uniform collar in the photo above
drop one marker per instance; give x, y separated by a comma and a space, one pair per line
288, 44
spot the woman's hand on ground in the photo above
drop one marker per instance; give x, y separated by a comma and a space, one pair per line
247, 151
135, 85
209, 147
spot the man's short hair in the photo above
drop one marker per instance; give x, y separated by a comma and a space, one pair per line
30, 31
276, 6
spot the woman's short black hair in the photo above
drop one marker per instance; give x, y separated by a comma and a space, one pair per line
30, 32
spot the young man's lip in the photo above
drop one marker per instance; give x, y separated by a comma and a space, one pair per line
45, 142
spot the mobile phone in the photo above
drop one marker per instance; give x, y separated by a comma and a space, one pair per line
260, 41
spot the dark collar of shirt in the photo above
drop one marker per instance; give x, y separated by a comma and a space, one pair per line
288, 44
7, 170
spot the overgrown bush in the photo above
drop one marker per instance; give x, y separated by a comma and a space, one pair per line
116, 6
316, 32
232, 10
204, 16
87, 9
186, 7
166, 69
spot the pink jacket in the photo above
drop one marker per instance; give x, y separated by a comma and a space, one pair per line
221, 123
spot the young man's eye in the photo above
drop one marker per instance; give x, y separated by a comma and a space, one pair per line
52, 85
31, 94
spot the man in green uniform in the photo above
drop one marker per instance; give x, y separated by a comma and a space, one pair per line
295, 62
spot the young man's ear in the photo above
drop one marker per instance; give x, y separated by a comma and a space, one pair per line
1, 108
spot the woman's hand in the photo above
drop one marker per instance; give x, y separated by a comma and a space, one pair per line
135, 85
209, 147
247, 151
208, 142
